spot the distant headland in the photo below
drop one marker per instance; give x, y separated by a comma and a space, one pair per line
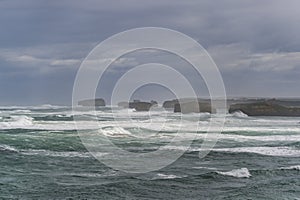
249, 106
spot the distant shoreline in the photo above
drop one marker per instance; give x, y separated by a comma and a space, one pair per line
249, 106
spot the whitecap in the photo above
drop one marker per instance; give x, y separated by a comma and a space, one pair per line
115, 132
268, 151
19, 121
47, 106
167, 176
238, 173
239, 114
208, 168
66, 154
295, 167
281, 151
21, 111
7, 148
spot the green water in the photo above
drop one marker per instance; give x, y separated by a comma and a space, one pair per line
42, 157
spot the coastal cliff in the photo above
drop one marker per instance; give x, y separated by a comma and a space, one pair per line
265, 108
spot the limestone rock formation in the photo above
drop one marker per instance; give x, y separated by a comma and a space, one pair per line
138, 105
265, 108
123, 104
92, 102
142, 106
193, 107
170, 104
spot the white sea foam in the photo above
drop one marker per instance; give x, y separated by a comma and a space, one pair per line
242, 138
238, 173
8, 148
46, 106
115, 132
59, 154
167, 176
295, 167
268, 151
233, 137
18, 121
22, 111
19, 111
208, 168
239, 114
160, 122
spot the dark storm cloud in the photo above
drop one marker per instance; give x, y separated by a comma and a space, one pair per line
47, 40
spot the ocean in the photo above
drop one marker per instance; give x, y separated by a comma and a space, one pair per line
43, 157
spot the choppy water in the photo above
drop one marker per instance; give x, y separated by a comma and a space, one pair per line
42, 156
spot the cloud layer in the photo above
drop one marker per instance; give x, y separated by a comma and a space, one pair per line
256, 43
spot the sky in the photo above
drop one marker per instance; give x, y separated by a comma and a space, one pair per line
255, 43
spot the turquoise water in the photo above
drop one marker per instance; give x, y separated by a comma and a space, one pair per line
42, 156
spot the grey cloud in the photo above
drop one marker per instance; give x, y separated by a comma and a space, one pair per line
256, 43
240, 57
264, 25
34, 64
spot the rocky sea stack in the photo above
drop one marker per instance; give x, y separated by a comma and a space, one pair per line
170, 104
193, 107
138, 105
92, 102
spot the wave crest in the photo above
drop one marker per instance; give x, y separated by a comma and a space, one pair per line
115, 132
295, 167
7, 148
238, 173
17, 122
239, 114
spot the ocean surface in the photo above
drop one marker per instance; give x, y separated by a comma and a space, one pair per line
42, 156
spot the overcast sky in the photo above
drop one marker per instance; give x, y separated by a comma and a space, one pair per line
255, 43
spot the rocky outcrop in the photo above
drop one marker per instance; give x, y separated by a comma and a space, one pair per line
92, 102
133, 104
123, 104
142, 106
154, 103
138, 105
170, 104
265, 108
193, 107
189, 105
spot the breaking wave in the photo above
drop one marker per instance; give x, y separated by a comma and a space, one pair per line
166, 176
7, 148
239, 114
16, 122
295, 167
238, 173
268, 151
67, 154
115, 132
